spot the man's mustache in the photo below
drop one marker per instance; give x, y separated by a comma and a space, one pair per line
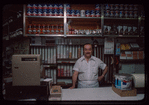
88, 53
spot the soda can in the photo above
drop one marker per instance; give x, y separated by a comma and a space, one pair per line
131, 14
39, 6
97, 13
39, 12
135, 14
111, 6
112, 14
49, 6
45, 6
130, 7
29, 6
121, 7
55, 6
72, 12
97, 7
29, 12
60, 6
126, 14
107, 6
60, 12
34, 6
82, 13
67, 12
107, 13
55, 12
87, 13
121, 14
116, 13
135, 7
77, 13
45, 12
92, 13
67, 6
116, 6
126, 7
50, 12
34, 12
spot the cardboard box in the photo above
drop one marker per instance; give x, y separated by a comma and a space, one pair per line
123, 56
56, 91
124, 93
141, 54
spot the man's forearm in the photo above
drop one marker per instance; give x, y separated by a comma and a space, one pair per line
105, 71
74, 79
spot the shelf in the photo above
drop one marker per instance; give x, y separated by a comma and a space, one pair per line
121, 35
132, 60
45, 16
121, 18
83, 17
64, 77
49, 35
80, 35
39, 45
67, 59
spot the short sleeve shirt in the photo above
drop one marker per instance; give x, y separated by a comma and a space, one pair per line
88, 71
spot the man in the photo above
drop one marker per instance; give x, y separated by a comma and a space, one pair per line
86, 69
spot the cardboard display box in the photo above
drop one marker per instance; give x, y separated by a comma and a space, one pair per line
124, 93
56, 91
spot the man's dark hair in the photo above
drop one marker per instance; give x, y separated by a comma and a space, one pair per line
86, 44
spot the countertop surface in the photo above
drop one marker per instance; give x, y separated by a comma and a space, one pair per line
102, 93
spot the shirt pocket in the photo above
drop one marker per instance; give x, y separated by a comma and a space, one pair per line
95, 70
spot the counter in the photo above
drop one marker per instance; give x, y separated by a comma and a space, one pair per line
100, 94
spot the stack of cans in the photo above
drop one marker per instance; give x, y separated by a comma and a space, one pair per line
45, 10
121, 10
97, 10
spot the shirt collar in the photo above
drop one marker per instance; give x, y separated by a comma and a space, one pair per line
83, 58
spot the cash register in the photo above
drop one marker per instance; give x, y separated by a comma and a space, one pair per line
26, 79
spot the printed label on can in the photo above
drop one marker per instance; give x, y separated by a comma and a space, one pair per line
39, 12
29, 6
39, 6
34, 12
29, 12
111, 6
107, 13
116, 6
72, 12
135, 14
60, 12
116, 13
67, 6
107, 6
97, 14
45, 12
49, 6
87, 13
126, 14
34, 6
111, 13
97, 7
121, 14
82, 13
92, 13
55, 12
45, 6
68, 12
55, 6
77, 13
60, 6
130, 14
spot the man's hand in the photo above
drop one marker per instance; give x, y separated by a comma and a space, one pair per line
100, 78
71, 87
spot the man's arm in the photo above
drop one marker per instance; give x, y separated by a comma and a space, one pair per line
103, 74
74, 79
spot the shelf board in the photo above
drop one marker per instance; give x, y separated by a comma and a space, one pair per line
45, 16
64, 77
39, 45
132, 60
120, 18
121, 35
80, 35
83, 17
49, 35
66, 59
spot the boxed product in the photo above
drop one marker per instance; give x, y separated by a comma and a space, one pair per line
56, 91
129, 54
135, 54
123, 56
124, 93
141, 54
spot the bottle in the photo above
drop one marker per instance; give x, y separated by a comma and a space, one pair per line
38, 29
121, 30
115, 31
43, 30
130, 30
29, 29
105, 30
61, 29
135, 30
34, 29
125, 30
56, 30
47, 29
52, 29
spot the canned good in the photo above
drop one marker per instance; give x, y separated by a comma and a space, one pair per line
97, 7
126, 14
29, 6
60, 12
121, 14
34, 12
60, 6
77, 13
34, 6
82, 13
45, 6
130, 14
50, 12
39, 12
92, 13
112, 14
116, 6
67, 6
135, 14
55, 6
39, 6
135, 7
45, 12
107, 14
121, 7
116, 13
29, 12
130, 7
55, 12
97, 13
111, 6
49, 6
107, 6
67, 12
87, 13
126, 7
72, 12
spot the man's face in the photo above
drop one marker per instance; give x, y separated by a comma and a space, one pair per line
87, 50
